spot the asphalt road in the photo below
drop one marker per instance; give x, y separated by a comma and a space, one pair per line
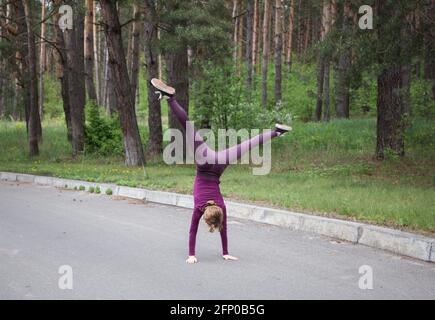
123, 249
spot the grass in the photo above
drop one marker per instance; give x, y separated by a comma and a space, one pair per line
325, 169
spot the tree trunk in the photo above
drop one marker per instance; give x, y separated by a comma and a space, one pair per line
266, 49
307, 31
177, 75
42, 57
3, 22
134, 155
89, 51
22, 76
236, 19
76, 73
290, 34
299, 35
34, 119
429, 59
390, 124
62, 69
406, 88
249, 44
155, 139
327, 73
105, 76
278, 49
342, 96
323, 62
96, 52
135, 51
320, 78
255, 34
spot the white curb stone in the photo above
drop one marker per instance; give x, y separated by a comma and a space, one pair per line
164, 197
333, 228
25, 178
403, 243
44, 181
134, 193
400, 242
185, 201
7, 176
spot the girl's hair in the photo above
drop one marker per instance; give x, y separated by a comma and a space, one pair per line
213, 216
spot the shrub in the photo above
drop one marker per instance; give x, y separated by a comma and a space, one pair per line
109, 192
91, 189
97, 190
82, 188
102, 134
422, 100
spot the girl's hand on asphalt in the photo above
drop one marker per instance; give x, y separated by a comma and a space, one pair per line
228, 257
191, 259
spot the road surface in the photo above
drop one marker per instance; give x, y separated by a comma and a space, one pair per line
117, 248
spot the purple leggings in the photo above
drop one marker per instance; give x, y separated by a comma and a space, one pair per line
206, 186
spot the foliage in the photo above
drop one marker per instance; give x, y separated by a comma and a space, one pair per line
423, 103
53, 105
193, 23
102, 134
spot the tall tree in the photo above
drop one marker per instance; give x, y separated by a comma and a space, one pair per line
290, 33
323, 62
249, 43
96, 53
3, 79
62, 68
89, 50
428, 43
266, 49
342, 85
237, 33
392, 55
134, 155
21, 75
255, 34
42, 57
330, 21
177, 70
299, 31
135, 50
155, 139
34, 119
278, 49
74, 42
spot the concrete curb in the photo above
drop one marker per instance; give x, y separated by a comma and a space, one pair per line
399, 242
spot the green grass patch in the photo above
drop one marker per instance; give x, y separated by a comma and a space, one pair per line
325, 169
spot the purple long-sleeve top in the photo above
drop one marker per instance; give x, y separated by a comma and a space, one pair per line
205, 188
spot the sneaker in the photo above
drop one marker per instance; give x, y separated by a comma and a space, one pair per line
162, 88
282, 128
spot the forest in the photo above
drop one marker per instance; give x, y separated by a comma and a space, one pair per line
354, 78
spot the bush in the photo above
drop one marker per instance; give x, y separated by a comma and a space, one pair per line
422, 100
102, 134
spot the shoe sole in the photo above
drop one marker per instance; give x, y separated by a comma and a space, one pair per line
158, 84
283, 127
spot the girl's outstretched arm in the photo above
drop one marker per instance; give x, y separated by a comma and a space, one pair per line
196, 216
224, 238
